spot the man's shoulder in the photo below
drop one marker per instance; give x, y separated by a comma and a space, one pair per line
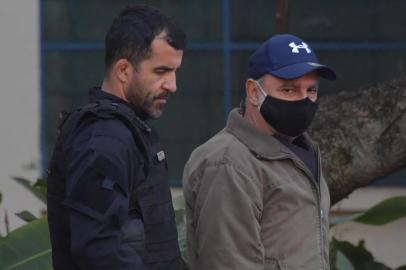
112, 127
222, 149
107, 119
100, 134
221, 161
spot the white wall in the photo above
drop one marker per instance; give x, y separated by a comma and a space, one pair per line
19, 107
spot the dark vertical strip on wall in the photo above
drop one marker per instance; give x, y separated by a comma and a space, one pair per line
227, 58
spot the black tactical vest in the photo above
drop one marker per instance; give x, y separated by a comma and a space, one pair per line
150, 201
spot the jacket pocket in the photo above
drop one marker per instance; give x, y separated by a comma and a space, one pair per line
272, 264
133, 235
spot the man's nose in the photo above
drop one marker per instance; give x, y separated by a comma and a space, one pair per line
303, 94
170, 83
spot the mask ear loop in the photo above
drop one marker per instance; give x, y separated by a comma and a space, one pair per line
260, 88
262, 99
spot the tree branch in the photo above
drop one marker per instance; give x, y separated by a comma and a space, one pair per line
362, 135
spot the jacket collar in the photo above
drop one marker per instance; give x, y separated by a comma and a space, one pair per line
256, 140
96, 94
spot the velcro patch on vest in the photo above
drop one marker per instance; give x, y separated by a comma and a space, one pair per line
160, 155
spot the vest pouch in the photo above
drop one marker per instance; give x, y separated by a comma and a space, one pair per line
133, 235
162, 251
155, 202
155, 198
154, 194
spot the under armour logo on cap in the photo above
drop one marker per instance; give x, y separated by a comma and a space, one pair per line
286, 57
295, 48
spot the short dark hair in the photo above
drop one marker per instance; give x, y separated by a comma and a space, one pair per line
133, 30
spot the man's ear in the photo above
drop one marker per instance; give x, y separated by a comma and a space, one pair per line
252, 92
123, 70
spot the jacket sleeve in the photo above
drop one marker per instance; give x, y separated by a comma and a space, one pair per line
226, 220
102, 236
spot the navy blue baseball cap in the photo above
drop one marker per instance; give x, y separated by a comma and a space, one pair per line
286, 57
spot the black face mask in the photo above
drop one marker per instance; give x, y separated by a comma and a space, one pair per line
290, 118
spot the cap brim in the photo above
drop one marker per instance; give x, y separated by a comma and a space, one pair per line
297, 70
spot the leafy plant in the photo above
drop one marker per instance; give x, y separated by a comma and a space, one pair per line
38, 189
344, 255
26, 216
179, 206
387, 211
26, 248
356, 257
29, 247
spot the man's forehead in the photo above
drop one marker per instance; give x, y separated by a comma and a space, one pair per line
160, 43
160, 39
163, 54
310, 80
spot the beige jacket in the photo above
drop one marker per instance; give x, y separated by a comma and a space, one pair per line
252, 204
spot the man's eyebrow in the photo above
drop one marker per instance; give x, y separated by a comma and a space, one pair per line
164, 68
289, 84
315, 85
292, 84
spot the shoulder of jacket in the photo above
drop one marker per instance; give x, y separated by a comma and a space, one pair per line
221, 150
114, 128
99, 133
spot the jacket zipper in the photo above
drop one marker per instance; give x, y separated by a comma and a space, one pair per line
320, 213
316, 189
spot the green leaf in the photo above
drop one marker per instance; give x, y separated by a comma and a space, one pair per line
343, 219
360, 258
401, 267
42, 186
342, 262
37, 191
179, 203
27, 248
387, 211
1, 197
26, 216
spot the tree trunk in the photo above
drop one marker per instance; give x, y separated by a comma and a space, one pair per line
362, 135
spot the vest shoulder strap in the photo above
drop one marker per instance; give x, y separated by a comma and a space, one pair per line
129, 118
106, 109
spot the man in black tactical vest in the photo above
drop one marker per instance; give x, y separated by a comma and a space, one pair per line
109, 203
